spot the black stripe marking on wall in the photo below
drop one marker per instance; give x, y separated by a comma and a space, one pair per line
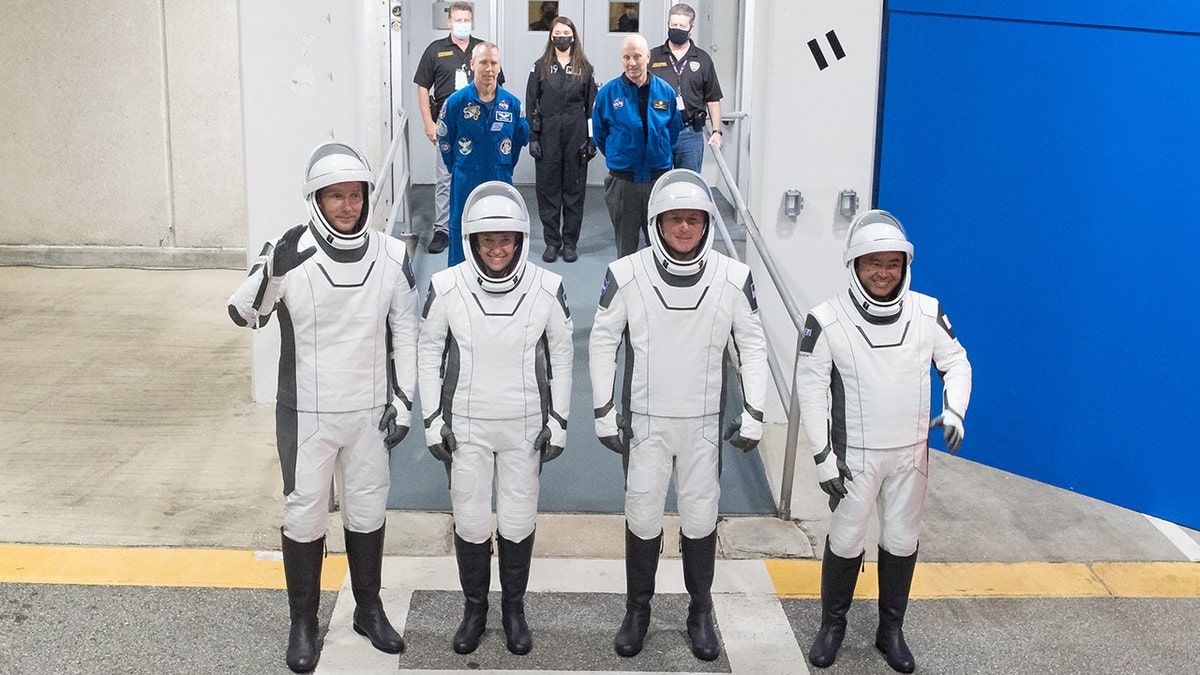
836, 45
815, 48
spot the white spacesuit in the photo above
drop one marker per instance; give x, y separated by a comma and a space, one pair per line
495, 360
347, 309
676, 312
863, 384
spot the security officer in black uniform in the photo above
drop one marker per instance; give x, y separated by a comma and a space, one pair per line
690, 71
560, 95
444, 68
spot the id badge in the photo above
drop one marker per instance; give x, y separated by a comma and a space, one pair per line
679, 102
460, 80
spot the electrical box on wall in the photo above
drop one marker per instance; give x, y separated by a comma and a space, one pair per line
441, 13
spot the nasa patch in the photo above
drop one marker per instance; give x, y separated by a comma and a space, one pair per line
502, 105
618, 103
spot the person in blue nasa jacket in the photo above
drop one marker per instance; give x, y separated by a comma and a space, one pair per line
480, 135
635, 123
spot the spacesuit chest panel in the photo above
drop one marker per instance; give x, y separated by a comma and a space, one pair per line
679, 294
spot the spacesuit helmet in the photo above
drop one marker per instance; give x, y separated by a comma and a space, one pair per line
496, 206
331, 163
680, 189
873, 232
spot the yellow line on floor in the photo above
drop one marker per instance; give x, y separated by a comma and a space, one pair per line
151, 567
802, 579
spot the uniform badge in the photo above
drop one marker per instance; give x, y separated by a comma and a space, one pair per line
658, 64
506, 146
659, 105
618, 103
441, 128
502, 105
695, 66
503, 116
471, 112
464, 146
444, 147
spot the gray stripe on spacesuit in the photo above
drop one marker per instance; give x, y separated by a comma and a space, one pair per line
542, 374
677, 281
941, 321
287, 442
680, 309
756, 414
877, 320
812, 331
358, 284
428, 301
872, 345
610, 289
286, 392
450, 373
603, 410
751, 294
837, 413
406, 265
562, 300
627, 379
485, 311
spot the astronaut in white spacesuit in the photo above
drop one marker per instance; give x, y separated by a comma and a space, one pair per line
675, 304
494, 366
347, 309
863, 383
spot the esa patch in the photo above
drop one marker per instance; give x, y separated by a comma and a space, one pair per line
659, 105
506, 147
504, 116
471, 112
464, 146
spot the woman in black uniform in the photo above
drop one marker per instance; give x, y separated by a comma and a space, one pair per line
560, 95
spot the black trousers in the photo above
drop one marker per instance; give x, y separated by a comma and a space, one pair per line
561, 179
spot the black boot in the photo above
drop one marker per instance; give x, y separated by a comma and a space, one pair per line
838, 579
302, 570
514, 577
641, 563
699, 558
895, 581
364, 554
475, 575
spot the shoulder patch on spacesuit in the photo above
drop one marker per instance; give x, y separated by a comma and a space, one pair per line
944, 322
562, 300
809, 335
751, 294
428, 300
608, 290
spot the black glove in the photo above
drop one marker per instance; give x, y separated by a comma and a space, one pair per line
444, 451
286, 258
733, 434
587, 151
620, 442
395, 432
535, 150
542, 445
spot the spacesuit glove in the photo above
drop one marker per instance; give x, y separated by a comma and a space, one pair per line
535, 150
545, 447
952, 429
832, 473
620, 432
444, 451
387, 423
285, 257
587, 151
744, 432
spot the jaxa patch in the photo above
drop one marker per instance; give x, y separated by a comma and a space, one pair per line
695, 66
441, 128
618, 103
504, 116
506, 146
659, 105
464, 146
471, 112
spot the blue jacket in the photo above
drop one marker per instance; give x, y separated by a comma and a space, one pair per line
482, 140
617, 127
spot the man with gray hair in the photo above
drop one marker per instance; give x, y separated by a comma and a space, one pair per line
635, 124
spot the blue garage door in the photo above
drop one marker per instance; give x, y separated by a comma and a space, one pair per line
1046, 159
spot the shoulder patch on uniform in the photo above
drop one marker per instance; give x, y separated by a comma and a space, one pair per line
428, 300
809, 334
608, 290
944, 322
562, 300
751, 294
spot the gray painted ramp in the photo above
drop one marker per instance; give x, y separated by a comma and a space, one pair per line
587, 478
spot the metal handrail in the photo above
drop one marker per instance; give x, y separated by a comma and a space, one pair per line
784, 510
400, 195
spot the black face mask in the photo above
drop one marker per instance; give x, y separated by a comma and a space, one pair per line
562, 42
678, 36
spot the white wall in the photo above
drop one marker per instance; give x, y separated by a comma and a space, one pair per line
122, 127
